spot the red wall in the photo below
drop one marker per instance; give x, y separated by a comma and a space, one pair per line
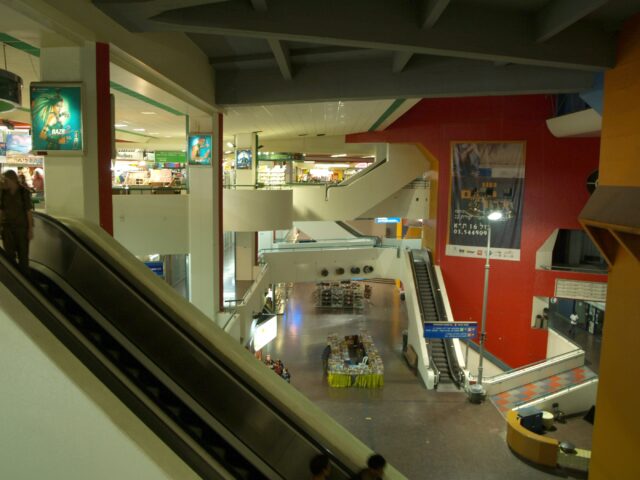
555, 177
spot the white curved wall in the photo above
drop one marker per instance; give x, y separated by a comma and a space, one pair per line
257, 210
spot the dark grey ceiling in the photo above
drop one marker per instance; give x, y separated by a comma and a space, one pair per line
275, 51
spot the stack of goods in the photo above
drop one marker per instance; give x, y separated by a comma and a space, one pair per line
354, 361
344, 295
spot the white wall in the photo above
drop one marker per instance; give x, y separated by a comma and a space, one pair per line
557, 344
257, 210
539, 304
245, 255
544, 255
61, 422
406, 203
148, 224
489, 368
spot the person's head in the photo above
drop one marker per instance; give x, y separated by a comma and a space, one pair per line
201, 141
11, 180
376, 464
36, 174
268, 358
22, 179
46, 104
319, 465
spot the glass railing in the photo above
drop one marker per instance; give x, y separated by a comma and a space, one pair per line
577, 269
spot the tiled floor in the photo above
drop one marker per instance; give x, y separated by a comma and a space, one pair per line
425, 434
505, 401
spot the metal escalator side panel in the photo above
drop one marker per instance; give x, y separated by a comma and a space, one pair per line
63, 329
185, 355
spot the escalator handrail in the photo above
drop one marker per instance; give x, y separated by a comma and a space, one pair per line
376, 239
152, 299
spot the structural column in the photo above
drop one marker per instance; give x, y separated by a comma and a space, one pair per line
612, 218
205, 217
80, 185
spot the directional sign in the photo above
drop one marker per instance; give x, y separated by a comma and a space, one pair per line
450, 329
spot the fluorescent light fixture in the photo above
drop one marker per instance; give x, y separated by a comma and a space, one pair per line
148, 113
309, 161
495, 215
139, 129
339, 155
230, 145
227, 152
120, 125
369, 156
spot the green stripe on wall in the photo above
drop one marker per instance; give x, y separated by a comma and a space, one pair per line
387, 113
19, 44
127, 91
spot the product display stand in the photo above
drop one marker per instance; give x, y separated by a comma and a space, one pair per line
340, 295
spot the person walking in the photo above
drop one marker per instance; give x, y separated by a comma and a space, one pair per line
573, 320
326, 353
320, 467
17, 220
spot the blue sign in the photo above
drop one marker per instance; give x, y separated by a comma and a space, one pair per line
156, 267
450, 329
388, 220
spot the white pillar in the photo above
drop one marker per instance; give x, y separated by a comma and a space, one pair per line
245, 255
71, 182
204, 222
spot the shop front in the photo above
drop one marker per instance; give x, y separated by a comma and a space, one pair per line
139, 171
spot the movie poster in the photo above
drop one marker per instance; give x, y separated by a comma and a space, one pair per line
486, 175
200, 149
56, 117
244, 159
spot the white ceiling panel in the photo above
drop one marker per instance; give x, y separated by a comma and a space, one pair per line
307, 119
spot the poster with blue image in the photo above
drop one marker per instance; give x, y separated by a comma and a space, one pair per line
56, 117
200, 149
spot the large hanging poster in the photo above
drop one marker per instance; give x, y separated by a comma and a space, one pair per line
486, 176
200, 149
56, 117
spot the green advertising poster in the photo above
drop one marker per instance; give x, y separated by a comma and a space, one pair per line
56, 117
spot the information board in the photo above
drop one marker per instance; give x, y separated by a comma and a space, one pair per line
156, 267
450, 329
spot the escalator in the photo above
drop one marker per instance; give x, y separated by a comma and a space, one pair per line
441, 352
209, 402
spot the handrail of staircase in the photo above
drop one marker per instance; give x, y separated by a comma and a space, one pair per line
362, 173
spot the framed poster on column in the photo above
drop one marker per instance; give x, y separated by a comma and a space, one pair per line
200, 149
56, 117
485, 173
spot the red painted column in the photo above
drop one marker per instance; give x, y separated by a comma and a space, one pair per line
220, 174
104, 130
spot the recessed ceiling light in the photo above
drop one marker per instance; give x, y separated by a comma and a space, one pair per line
139, 129
120, 125
148, 113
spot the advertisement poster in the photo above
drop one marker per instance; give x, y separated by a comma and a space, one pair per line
486, 175
56, 117
200, 148
3, 149
18, 144
243, 159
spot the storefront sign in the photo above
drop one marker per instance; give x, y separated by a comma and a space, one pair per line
450, 329
388, 220
279, 156
244, 159
486, 173
200, 149
56, 117
156, 267
168, 156
265, 331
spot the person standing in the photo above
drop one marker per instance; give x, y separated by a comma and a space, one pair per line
374, 470
17, 220
38, 182
573, 319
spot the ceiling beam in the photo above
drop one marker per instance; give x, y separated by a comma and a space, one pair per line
400, 61
561, 14
431, 11
299, 53
281, 54
259, 5
465, 31
428, 77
